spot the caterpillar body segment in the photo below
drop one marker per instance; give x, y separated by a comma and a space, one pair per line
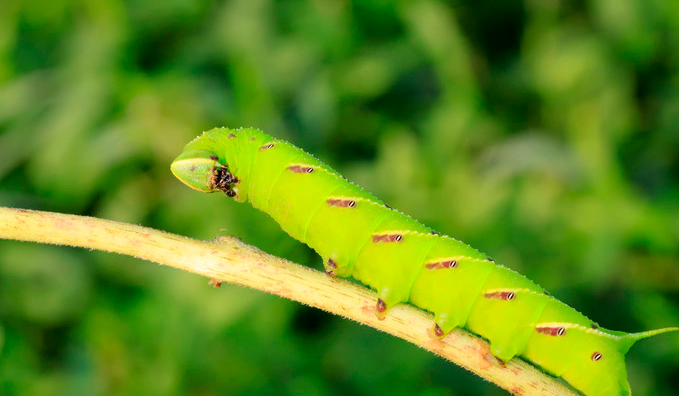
516, 304
357, 235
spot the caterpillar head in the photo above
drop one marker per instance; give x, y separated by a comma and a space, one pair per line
219, 160
201, 170
202, 165
198, 169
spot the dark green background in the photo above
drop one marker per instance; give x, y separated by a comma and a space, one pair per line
543, 132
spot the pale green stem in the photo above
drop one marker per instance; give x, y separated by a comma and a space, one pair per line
228, 259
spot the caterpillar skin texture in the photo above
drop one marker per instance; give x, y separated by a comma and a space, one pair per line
357, 235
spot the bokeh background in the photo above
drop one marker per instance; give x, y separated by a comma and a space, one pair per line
543, 132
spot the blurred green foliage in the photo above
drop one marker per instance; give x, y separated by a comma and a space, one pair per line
545, 133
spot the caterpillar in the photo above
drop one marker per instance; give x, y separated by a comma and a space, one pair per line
405, 261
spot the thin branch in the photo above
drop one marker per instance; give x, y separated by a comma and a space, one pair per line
229, 260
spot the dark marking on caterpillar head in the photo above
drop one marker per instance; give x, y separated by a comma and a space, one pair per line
490, 259
546, 292
552, 331
341, 203
501, 295
438, 331
216, 283
214, 157
232, 136
300, 169
223, 180
381, 305
432, 232
266, 146
332, 263
596, 356
442, 264
595, 326
387, 238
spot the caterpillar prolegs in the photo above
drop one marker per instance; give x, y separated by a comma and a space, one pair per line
358, 235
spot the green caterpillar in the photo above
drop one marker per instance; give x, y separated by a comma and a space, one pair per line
358, 235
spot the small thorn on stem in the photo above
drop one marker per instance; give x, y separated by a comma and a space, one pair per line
216, 283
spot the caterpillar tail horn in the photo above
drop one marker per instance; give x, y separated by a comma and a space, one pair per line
630, 339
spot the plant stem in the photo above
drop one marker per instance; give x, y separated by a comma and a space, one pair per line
228, 259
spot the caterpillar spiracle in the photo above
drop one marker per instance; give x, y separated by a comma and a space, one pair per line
357, 235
